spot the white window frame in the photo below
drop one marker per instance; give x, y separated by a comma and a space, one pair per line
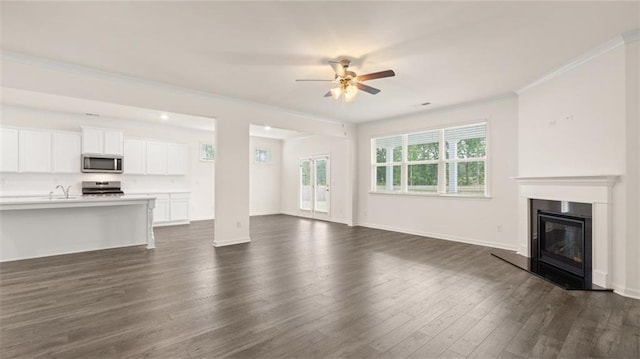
255, 155
201, 148
389, 164
442, 162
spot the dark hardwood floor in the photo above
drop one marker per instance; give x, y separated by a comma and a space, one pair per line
302, 289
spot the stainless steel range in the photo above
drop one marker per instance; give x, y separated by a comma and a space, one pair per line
101, 188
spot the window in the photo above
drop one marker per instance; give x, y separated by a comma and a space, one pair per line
207, 152
263, 155
387, 163
444, 161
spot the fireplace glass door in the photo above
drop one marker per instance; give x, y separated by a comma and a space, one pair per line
561, 241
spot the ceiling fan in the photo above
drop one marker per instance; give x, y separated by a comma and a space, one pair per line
348, 83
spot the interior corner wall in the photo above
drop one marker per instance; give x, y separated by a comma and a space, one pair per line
577, 123
341, 184
484, 221
264, 178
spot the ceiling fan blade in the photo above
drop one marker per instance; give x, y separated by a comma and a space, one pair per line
338, 68
369, 89
328, 94
376, 75
312, 80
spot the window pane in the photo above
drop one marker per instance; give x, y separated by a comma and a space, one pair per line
306, 173
321, 172
263, 155
423, 146
466, 178
388, 178
423, 178
305, 185
388, 149
466, 142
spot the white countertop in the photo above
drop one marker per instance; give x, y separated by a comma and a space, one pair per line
36, 202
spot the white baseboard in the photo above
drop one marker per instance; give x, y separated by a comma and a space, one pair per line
330, 219
267, 213
440, 236
231, 242
626, 292
522, 251
175, 223
599, 278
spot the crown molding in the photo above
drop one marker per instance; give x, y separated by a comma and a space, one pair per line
6, 55
622, 39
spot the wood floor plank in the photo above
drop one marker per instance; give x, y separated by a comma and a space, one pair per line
301, 289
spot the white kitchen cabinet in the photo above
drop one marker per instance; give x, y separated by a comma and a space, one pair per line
134, 156
113, 142
176, 159
161, 210
156, 158
9, 148
34, 154
170, 208
179, 207
102, 141
66, 152
92, 140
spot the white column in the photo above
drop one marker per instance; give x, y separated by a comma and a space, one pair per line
232, 182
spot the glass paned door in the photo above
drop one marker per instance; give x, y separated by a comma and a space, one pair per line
321, 198
305, 184
314, 186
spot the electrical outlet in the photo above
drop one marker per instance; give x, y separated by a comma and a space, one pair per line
239, 224
499, 228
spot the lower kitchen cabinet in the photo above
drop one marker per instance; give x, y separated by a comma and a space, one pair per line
170, 209
161, 211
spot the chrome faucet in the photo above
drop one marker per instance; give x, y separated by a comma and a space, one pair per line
65, 191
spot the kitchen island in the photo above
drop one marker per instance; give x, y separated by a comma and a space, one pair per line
33, 227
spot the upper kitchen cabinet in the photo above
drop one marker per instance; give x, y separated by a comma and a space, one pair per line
9, 147
176, 159
134, 153
34, 151
156, 158
102, 141
66, 152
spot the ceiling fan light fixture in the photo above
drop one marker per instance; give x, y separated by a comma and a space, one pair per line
336, 92
350, 93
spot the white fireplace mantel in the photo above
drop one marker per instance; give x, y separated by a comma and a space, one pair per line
596, 190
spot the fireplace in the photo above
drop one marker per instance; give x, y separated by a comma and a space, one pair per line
588, 197
561, 242
564, 241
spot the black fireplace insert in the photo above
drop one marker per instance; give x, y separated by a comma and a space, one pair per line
564, 242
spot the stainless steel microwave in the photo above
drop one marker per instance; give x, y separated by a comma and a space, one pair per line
102, 163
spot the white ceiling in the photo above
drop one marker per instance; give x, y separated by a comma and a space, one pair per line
77, 106
442, 52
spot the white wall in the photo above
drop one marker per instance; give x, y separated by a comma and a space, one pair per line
341, 179
579, 123
471, 220
574, 125
199, 179
264, 178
